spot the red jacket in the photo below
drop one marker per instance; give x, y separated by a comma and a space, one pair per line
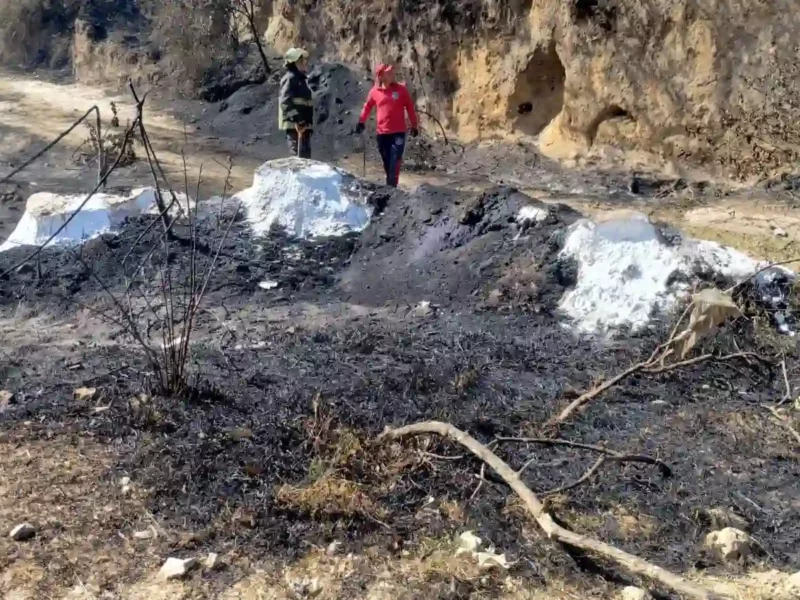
392, 103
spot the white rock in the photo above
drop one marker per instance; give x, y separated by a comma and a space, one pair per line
175, 568
729, 543
45, 213
23, 532
213, 561
634, 593
531, 213
307, 198
268, 285
780, 232
469, 541
626, 271
147, 534
125, 485
491, 559
424, 309
333, 548
84, 393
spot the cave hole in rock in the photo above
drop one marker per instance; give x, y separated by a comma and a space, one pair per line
601, 12
539, 92
609, 112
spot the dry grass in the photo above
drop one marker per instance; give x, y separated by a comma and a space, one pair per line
329, 495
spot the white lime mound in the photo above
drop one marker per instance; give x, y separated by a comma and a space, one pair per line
45, 213
306, 198
627, 271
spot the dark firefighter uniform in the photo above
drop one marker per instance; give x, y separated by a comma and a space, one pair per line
296, 108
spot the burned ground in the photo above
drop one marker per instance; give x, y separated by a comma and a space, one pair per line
273, 452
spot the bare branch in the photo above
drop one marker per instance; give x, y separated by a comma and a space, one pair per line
43, 151
632, 564
586, 477
610, 454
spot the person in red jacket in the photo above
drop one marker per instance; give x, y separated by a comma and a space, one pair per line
393, 101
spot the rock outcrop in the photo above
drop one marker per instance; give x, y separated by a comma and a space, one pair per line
704, 84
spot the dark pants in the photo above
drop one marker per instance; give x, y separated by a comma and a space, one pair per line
392, 146
305, 143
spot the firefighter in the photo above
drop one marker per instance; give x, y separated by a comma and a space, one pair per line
296, 110
393, 102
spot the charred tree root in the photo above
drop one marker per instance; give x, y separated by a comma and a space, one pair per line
535, 507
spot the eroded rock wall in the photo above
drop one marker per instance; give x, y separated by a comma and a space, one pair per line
710, 84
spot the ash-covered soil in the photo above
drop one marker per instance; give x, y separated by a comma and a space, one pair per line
272, 452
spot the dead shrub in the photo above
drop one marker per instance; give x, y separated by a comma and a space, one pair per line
32, 31
192, 37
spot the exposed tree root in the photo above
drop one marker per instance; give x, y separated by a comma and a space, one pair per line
629, 562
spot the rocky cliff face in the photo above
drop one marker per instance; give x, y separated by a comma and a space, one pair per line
711, 84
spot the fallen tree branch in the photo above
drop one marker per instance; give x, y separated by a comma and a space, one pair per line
632, 564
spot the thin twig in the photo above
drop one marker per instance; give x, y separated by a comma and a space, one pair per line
633, 564
788, 395
757, 273
586, 477
482, 478
444, 134
610, 454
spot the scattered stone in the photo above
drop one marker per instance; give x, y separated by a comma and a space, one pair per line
779, 232
724, 517
23, 532
729, 543
5, 399
147, 534
634, 593
268, 285
495, 299
333, 548
125, 485
175, 568
424, 309
84, 393
469, 541
213, 561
